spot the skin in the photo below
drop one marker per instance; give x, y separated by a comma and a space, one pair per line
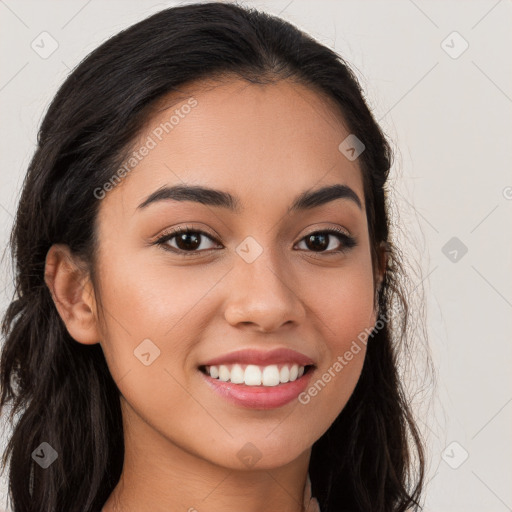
265, 144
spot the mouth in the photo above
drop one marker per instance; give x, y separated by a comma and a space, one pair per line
251, 375
251, 386
258, 379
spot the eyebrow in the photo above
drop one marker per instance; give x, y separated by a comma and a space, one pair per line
213, 197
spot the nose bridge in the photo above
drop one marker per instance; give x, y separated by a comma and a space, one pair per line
262, 291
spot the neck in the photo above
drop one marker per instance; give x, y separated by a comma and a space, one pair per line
160, 476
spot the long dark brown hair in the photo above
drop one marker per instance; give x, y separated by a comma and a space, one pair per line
60, 391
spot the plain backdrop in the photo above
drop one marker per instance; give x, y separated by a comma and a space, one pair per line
438, 77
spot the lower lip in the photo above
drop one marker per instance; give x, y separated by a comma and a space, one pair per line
260, 397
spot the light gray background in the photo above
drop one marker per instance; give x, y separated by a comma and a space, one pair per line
451, 123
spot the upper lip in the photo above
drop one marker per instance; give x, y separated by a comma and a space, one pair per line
261, 357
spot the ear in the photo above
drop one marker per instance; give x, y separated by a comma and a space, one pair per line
72, 293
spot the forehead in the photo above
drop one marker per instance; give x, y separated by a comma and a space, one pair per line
263, 143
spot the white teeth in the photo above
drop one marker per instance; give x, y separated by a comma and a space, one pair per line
254, 375
237, 374
224, 373
294, 372
270, 376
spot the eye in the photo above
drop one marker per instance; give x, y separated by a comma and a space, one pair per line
187, 242
319, 241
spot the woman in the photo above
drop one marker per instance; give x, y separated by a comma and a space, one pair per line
205, 282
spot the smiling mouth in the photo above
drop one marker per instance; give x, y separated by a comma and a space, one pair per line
255, 375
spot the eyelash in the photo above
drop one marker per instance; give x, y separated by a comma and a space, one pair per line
348, 242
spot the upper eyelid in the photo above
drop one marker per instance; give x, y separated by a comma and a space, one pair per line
174, 231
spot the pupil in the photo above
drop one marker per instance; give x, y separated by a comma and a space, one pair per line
323, 245
183, 243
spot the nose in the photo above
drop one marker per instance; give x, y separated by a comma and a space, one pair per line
263, 294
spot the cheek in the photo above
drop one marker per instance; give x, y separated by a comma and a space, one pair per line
152, 327
343, 308
147, 299
156, 310
138, 307
343, 303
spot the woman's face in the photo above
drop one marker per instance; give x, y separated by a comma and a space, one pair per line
255, 280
